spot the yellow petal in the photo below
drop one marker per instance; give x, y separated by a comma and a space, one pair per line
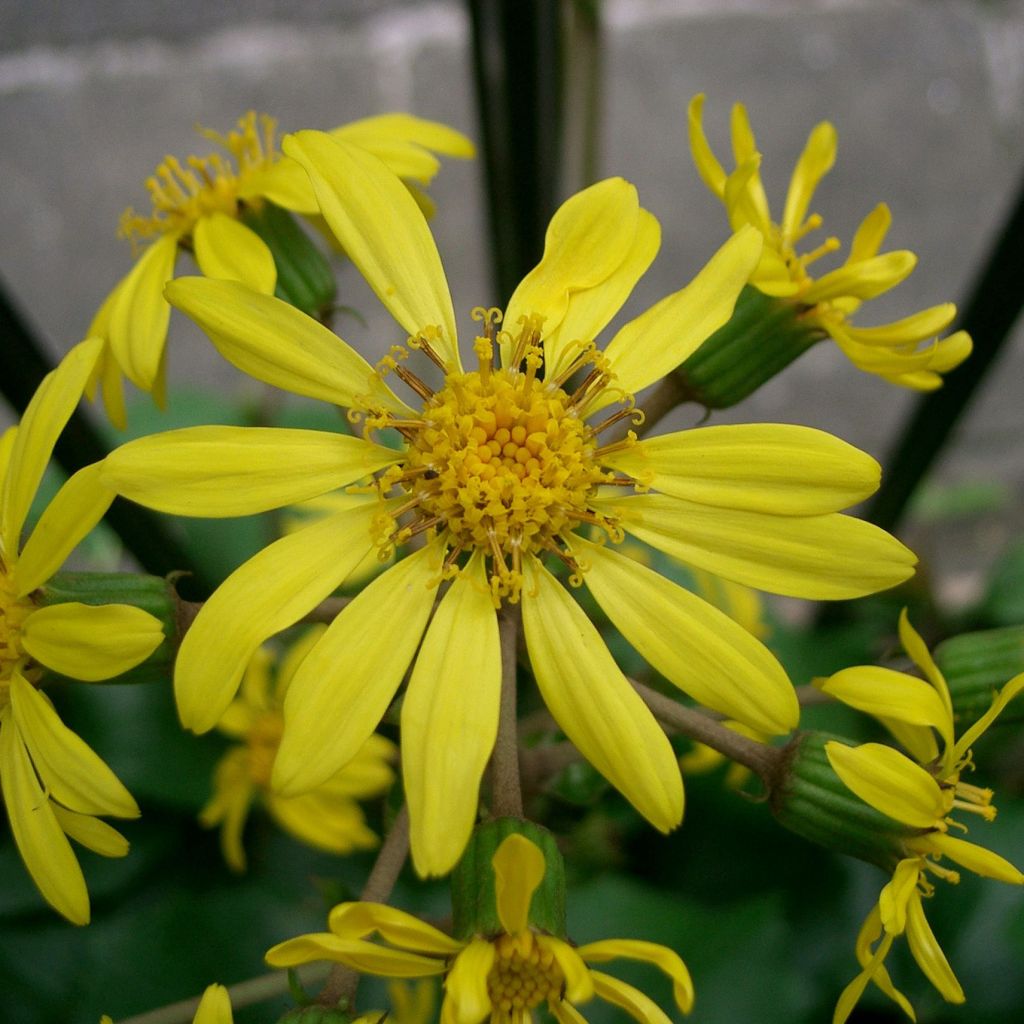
579, 984
214, 1007
594, 704
814, 163
278, 344
450, 721
889, 781
850, 995
364, 957
892, 903
322, 820
270, 592
383, 231
467, 1000
139, 316
296, 653
863, 280
369, 132
284, 183
691, 643
925, 324
343, 687
45, 416
237, 471
75, 509
744, 148
566, 1013
519, 867
769, 468
44, 849
396, 927
829, 557
6, 445
91, 642
92, 833
664, 959
928, 953
973, 857
870, 234
233, 793
657, 341
1005, 695
918, 651
638, 1005
226, 249
710, 170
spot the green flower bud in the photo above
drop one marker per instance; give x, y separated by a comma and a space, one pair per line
976, 665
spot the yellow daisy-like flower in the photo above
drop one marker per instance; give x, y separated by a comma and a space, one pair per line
327, 817
200, 206
923, 791
904, 352
501, 469
502, 978
54, 785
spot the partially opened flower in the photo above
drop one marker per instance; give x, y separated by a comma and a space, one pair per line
905, 352
54, 785
503, 471
226, 210
328, 816
500, 976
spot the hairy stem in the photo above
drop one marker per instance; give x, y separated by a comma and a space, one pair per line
506, 790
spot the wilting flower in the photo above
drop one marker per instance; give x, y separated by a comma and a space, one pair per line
500, 977
904, 352
923, 791
501, 470
328, 816
54, 785
201, 206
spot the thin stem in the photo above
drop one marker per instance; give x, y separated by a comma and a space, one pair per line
506, 789
342, 982
245, 993
758, 757
670, 393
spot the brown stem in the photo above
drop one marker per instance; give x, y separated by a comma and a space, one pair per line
342, 982
506, 790
669, 393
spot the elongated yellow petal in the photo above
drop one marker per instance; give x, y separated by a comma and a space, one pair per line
92, 833
594, 704
519, 867
919, 654
342, 689
565, 1013
870, 234
638, 1005
284, 183
928, 953
383, 231
889, 781
75, 509
139, 315
663, 958
67, 766
91, 642
895, 895
850, 995
322, 820
431, 135
863, 280
237, 471
214, 1007
226, 249
579, 984
278, 344
971, 856
744, 148
229, 806
710, 170
691, 643
47, 413
270, 592
6, 445
1005, 695
925, 324
657, 341
44, 849
771, 468
813, 164
396, 927
467, 999
364, 957
829, 557
917, 740
450, 721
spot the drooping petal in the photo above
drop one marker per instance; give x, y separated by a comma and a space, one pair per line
280, 345
850, 995
579, 984
594, 704
233, 794
636, 1003
1005, 695
829, 557
365, 957
813, 164
45, 416
75, 509
270, 592
895, 895
467, 999
916, 327
710, 170
863, 280
435, 136
450, 721
971, 856
889, 781
396, 927
214, 1007
41, 842
91, 642
915, 646
771, 468
226, 249
139, 315
691, 643
343, 687
92, 833
662, 957
657, 341
383, 231
519, 867
928, 953
566, 1013
238, 471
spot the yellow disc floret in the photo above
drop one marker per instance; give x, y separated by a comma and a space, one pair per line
13, 612
525, 974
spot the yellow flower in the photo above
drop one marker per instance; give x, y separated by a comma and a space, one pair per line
328, 816
502, 977
53, 783
923, 791
199, 206
214, 1008
500, 470
892, 351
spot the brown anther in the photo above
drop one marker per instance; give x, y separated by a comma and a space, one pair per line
407, 377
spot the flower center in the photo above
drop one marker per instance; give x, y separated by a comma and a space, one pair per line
13, 612
525, 974
182, 194
263, 740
